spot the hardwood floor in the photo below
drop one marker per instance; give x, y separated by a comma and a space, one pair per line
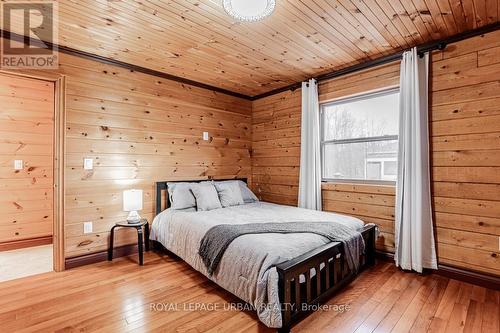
124, 297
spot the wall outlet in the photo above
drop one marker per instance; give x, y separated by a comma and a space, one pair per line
18, 164
205, 136
87, 227
88, 164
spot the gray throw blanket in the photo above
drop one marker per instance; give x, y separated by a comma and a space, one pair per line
217, 239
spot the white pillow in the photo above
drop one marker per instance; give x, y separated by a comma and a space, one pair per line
229, 194
246, 193
206, 196
180, 195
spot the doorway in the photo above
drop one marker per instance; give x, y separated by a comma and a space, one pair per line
30, 175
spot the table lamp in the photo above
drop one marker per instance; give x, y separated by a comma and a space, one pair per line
132, 202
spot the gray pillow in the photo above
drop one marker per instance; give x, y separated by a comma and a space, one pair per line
180, 195
229, 194
206, 196
246, 193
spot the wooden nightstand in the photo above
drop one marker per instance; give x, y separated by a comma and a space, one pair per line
140, 240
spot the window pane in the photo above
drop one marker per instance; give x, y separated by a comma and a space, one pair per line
365, 160
373, 116
373, 170
390, 168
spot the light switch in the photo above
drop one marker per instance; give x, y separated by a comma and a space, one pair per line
88, 164
87, 227
18, 164
205, 136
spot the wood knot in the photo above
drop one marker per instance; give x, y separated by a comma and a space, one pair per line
85, 243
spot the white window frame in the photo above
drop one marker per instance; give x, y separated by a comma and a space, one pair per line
324, 142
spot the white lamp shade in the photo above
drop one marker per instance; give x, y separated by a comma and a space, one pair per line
132, 200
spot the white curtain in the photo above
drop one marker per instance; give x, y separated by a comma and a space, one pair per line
414, 236
310, 159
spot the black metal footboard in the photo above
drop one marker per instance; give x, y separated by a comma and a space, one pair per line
331, 273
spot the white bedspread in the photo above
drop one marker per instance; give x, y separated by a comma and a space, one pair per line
247, 267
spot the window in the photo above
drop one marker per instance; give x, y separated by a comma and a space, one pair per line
360, 138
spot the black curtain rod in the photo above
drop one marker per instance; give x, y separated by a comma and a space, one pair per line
421, 49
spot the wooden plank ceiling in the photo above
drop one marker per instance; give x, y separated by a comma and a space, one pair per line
195, 39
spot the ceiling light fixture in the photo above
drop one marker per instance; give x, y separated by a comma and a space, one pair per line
249, 10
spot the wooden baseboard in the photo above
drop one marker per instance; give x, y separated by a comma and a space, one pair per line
473, 277
384, 256
24, 243
92, 258
477, 278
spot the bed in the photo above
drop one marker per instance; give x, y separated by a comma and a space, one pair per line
280, 275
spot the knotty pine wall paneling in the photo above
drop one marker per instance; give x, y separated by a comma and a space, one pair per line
140, 129
276, 147
276, 153
26, 133
465, 145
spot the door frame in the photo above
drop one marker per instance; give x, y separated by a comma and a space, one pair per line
59, 147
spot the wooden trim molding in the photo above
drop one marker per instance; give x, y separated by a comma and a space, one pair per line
59, 163
481, 279
440, 44
24, 243
57, 237
384, 256
477, 278
92, 258
427, 47
114, 62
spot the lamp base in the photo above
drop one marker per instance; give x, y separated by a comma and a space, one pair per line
133, 217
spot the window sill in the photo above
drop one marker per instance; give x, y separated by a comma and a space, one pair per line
333, 184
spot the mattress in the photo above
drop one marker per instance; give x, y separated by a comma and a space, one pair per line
247, 268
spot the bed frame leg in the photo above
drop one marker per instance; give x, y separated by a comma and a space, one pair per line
154, 246
370, 248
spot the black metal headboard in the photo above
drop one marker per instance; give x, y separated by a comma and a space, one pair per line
162, 186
